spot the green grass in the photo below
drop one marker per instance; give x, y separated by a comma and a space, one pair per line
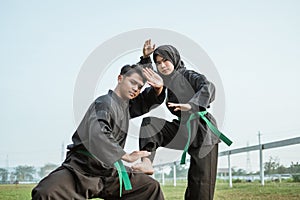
15, 192
240, 191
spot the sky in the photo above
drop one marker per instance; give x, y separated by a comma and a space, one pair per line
254, 46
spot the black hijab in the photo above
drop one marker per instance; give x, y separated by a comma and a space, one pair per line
170, 53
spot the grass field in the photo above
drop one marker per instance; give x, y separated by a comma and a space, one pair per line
240, 191
243, 191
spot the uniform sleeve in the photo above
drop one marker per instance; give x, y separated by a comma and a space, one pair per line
145, 101
204, 90
145, 62
97, 135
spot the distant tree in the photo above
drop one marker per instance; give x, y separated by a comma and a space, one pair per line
271, 166
281, 170
294, 168
256, 173
12, 177
24, 173
238, 172
3, 175
46, 169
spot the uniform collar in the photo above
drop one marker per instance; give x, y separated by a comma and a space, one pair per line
118, 99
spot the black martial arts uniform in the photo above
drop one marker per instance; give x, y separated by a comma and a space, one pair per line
185, 86
98, 142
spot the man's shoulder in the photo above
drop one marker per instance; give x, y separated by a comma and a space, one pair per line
103, 99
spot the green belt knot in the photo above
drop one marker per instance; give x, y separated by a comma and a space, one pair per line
210, 126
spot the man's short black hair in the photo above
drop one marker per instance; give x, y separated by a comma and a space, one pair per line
127, 70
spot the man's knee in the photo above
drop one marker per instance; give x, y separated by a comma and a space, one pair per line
54, 185
51, 192
154, 185
41, 193
156, 190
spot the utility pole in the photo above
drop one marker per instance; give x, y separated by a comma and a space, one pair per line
174, 174
230, 173
7, 168
7, 164
62, 152
262, 179
248, 166
162, 176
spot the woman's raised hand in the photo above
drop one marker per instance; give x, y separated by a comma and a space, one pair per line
148, 48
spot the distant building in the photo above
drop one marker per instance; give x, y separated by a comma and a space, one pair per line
222, 172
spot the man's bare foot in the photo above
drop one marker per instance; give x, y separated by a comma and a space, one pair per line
145, 166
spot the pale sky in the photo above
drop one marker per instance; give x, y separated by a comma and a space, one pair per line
253, 44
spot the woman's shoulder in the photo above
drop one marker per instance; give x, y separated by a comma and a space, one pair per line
189, 72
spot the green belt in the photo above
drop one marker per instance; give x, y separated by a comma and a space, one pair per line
211, 127
123, 176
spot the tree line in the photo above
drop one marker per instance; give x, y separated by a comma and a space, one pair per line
271, 167
24, 173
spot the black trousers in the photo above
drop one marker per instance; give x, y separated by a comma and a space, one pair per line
65, 183
157, 132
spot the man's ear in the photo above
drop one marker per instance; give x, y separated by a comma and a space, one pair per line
120, 78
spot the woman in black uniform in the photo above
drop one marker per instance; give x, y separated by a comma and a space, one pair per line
188, 92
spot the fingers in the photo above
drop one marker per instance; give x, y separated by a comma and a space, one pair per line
149, 74
173, 104
177, 108
153, 78
141, 153
176, 105
150, 83
135, 155
147, 43
148, 71
144, 153
180, 107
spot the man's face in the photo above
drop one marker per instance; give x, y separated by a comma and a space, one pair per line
130, 86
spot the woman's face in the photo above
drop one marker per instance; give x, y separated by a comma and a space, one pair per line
164, 66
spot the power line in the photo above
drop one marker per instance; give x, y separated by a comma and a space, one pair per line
248, 164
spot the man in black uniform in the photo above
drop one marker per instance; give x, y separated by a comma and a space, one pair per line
88, 171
